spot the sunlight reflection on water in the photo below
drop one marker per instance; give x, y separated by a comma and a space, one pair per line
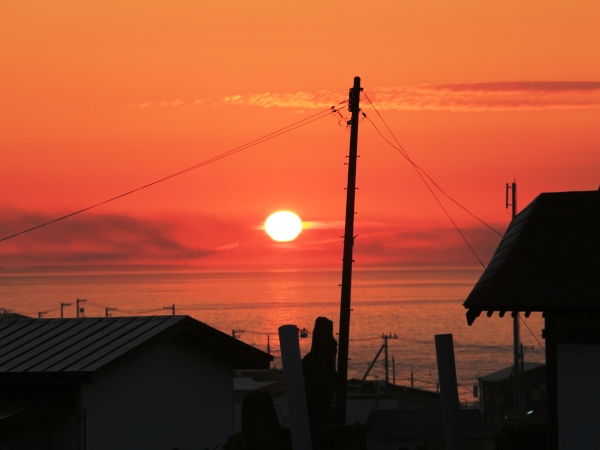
412, 304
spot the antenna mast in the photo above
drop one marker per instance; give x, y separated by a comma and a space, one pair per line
517, 352
344, 334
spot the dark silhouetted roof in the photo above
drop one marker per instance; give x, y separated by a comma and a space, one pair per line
75, 349
549, 259
504, 374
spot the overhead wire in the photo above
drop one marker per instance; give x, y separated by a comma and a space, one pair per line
531, 332
443, 209
260, 140
418, 168
423, 175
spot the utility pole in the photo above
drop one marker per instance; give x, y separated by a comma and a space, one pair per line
344, 333
385, 344
517, 367
387, 372
80, 309
108, 309
62, 308
172, 308
41, 314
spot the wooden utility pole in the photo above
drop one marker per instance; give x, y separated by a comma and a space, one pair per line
80, 309
517, 367
344, 334
62, 309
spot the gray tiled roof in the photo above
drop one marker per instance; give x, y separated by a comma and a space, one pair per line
75, 348
549, 259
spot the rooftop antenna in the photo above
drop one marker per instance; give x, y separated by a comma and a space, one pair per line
344, 334
513, 188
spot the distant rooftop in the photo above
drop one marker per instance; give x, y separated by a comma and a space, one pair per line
549, 259
75, 349
505, 374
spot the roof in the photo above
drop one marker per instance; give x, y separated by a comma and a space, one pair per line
75, 349
506, 373
548, 259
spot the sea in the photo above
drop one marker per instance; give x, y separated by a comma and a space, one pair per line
409, 305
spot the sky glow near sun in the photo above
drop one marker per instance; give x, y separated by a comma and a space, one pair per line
104, 97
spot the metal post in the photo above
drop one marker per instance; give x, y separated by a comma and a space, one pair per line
294, 385
518, 373
373, 363
344, 333
387, 372
444, 348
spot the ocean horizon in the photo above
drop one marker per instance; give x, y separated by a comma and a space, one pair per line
411, 305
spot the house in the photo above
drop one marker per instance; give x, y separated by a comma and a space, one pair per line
549, 261
118, 383
367, 396
497, 396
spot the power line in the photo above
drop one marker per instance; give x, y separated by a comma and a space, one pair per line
419, 169
422, 174
532, 333
231, 152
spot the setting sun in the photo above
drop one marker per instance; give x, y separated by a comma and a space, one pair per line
283, 226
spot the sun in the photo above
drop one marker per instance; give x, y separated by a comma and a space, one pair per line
283, 226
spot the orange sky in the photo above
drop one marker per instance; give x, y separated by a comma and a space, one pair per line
101, 97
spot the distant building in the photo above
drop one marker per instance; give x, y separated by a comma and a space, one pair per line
118, 383
497, 396
405, 418
549, 261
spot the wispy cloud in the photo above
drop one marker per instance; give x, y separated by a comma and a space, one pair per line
119, 239
488, 96
493, 96
387, 245
96, 239
296, 100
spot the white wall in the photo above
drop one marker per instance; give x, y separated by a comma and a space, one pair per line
171, 396
578, 396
